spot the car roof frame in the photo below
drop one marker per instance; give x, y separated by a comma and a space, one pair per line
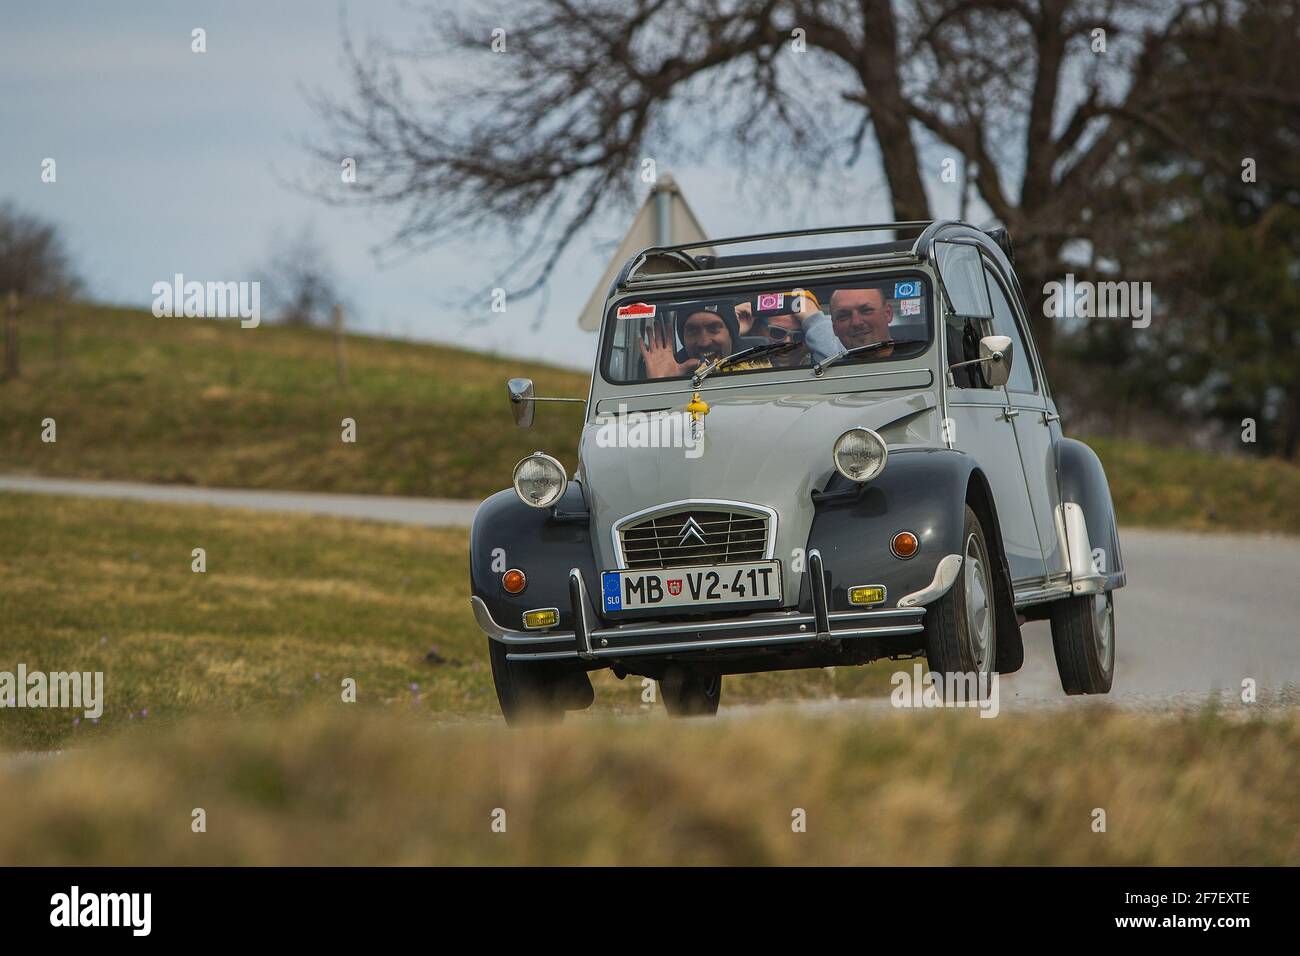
693, 270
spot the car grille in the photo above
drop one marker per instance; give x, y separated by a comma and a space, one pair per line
715, 537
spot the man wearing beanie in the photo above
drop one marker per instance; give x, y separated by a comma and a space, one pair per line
708, 330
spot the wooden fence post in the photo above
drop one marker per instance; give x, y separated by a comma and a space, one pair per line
11, 336
58, 339
340, 359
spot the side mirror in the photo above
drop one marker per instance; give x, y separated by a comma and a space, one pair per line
995, 359
522, 404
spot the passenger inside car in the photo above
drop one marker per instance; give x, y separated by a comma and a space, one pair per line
673, 340
707, 330
861, 316
779, 317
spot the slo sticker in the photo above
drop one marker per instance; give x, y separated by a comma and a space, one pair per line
906, 290
611, 588
909, 307
636, 310
770, 300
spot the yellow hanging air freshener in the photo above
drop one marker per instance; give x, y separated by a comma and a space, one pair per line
698, 407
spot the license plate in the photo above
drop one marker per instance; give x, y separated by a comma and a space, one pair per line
697, 585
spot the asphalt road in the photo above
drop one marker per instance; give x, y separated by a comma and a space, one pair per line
1201, 612
437, 512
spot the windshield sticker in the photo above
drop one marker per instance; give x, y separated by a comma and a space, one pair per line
909, 306
770, 300
636, 310
906, 290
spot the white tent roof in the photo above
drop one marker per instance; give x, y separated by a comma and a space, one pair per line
682, 226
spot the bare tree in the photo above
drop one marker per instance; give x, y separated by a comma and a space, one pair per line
34, 259
299, 280
1037, 98
1212, 220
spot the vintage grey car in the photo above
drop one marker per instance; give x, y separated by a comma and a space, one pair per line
796, 459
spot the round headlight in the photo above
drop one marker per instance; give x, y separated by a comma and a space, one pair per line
860, 454
539, 480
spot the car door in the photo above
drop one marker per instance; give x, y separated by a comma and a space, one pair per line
980, 420
1033, 418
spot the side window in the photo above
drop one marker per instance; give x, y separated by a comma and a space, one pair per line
1004, 323
961, 269
959, 266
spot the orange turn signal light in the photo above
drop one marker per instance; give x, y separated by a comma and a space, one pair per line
514, 581
904, 544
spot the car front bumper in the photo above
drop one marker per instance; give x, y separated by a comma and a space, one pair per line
586, 641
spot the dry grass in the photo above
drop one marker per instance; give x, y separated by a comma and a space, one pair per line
337, 785
1182, 488
289, 606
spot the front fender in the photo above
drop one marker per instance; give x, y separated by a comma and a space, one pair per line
921, 490
510, 534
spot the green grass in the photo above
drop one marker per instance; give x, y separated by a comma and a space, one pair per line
289, 606
205, 402
334, 785
1181, 488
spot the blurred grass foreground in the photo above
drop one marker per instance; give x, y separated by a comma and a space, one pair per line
333, 786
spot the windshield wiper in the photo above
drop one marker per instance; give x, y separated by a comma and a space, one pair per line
772, 348
859, 350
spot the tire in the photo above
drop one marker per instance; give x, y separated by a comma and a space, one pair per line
536, 692
961, 627
1083, 637
690, 693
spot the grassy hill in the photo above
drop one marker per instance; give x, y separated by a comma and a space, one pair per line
199, 401
205, 402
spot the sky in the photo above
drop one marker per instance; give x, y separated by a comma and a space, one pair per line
170, 161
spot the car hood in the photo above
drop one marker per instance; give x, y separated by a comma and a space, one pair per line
767, 451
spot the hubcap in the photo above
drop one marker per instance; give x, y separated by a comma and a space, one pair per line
1103, 626
979, 612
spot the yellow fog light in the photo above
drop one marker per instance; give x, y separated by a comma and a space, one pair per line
541, 617
867, 594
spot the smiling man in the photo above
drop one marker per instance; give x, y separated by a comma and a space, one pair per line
707, 331
860, 317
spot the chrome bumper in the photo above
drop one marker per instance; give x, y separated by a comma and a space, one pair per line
587, 642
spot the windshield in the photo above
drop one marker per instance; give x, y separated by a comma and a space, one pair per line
667, 337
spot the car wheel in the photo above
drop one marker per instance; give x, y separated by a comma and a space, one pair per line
1083, 637
536, 692
961, 627
690, 693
